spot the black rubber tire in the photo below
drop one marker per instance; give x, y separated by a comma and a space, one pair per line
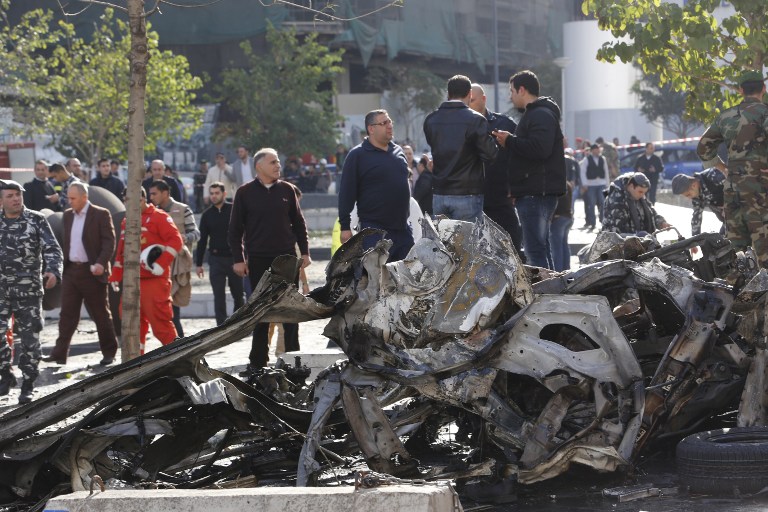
724, 461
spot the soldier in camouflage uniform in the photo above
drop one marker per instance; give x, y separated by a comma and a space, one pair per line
626, 209
744, 129
611, 155
30, 258
704, 189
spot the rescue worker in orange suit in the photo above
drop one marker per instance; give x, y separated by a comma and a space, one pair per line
160, 243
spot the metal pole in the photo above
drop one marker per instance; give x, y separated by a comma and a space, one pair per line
495, 57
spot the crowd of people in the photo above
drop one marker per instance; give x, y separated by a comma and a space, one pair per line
524, 177
481, 164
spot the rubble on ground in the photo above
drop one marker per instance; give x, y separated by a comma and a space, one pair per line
464, 364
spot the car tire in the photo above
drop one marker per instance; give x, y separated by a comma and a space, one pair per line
724, 461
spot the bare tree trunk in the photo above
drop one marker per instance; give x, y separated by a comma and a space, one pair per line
139, 57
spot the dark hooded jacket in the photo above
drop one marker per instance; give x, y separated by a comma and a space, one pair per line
536, 151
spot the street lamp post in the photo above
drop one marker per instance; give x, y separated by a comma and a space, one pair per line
562, 63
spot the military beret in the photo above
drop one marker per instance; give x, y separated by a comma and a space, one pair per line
681, 183
11, 185
751, 76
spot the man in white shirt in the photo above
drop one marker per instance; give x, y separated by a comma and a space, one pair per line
88, 244
221, 172
594, 179
242, 169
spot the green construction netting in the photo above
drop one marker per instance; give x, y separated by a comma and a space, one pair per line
428, 27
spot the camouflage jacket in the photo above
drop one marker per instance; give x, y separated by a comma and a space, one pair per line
710, 195
744, 129
63, 199
27, 250
622, 214
611, 155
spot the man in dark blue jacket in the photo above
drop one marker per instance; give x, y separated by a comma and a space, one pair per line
460, 142
375, 176
537, 163
497, 200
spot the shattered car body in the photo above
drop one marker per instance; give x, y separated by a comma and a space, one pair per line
531, 371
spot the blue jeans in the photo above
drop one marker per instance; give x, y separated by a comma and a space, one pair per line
593, 197
558, 240
469, 208
535, 214
402, 240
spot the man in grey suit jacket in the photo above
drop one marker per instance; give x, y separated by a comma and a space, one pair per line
242, 168
88, 245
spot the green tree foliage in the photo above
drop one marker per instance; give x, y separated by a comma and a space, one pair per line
686, 46
81, 87
24, 68
283, 99
412, 92
662, 103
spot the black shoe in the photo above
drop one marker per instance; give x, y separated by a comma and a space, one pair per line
51, 359
6, 383
107, 361
249, 371
26, 392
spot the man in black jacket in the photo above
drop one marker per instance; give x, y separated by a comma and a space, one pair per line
537, 163
157, 167
460, 142
105, 179
651, 165
39, 192
266, 222
497, 201
214, 225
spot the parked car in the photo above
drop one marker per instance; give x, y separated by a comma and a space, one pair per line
676, 158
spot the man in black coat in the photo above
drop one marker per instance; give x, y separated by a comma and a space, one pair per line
39, 193
157, 167
497, 202
106, 180
651, 165
460, 142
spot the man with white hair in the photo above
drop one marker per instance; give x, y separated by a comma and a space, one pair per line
88, 244
157, 168
266, 222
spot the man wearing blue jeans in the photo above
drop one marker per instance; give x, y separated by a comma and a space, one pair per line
460, 141
537, 174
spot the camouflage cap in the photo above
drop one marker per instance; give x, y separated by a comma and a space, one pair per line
11, 185
751, 76
681, 183
639, 179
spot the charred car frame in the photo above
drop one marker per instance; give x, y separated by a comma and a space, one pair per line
529, 371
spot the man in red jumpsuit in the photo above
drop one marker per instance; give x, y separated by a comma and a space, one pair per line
157, 228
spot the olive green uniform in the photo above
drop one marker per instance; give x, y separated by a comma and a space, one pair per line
744, 129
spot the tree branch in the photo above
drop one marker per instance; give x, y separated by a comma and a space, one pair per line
89, 3
331, 17
191, 6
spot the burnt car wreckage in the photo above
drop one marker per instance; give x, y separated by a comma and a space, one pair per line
531, 371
